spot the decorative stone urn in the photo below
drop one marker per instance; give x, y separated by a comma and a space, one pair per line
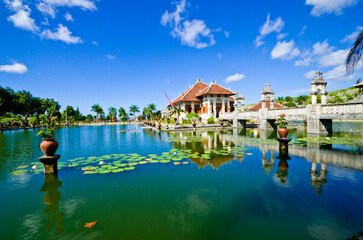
282, 131
159, 126
49, 146
194, 124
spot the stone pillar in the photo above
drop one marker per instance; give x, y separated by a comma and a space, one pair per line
239, 123
209, 108
50, 164
223, 106
323, 98
319, 125
214, 108
193, 110
313, 99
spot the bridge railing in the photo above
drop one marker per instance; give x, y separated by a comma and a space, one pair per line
342, 108
299, 111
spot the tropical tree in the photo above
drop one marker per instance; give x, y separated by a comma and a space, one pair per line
122, 114
177, 111
112, 112
69, 113
134, 109
97, 109
354, 54
25, 105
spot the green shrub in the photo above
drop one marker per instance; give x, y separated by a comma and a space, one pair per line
290, 104
348, 96
210, 120
193, 115
186, 121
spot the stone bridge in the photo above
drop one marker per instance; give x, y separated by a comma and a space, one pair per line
319, 116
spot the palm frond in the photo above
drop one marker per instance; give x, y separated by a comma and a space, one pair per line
354, 54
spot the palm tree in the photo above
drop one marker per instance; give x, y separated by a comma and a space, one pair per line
97, 109
134, 109
122, 113
177, 111
354, 54
112, 113
146, 113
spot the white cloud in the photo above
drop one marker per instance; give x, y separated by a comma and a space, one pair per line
234, 78
268, 27
322, 48
334, 59
302, 30
285, 50
68, 17
14, 68
338, 74
95, 43
62, 34
49, 7
219, 56
21, 17
45, 22
110, 57
281, 36
226, 33
304, 62
310, 74
350, 38
194, 33
321, 7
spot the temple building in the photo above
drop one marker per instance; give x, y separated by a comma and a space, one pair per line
208, 100
267, 99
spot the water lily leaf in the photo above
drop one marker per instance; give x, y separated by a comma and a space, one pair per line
143, 162
20, 172
21, 167
176, 163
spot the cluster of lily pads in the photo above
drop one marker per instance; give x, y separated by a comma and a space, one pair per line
327, 140
116, 163
186, 139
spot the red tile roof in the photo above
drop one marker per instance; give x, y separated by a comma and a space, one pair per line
268, 105
190, 94
215, 89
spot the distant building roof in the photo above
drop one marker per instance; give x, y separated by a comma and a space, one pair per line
214, 88
268, 105
199, 89
190, 94
165, 110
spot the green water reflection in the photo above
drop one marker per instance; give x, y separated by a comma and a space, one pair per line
236, 184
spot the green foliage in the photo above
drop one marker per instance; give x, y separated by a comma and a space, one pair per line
348, 96
49, 123
210, 120
186, 121
290, 104
289, 99
281, 121
97, 109
302, 99
193, 115
336, 99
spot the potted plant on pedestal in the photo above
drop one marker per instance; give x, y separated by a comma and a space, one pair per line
49, 123
282, 124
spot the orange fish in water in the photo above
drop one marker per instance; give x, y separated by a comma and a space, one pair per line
91, 224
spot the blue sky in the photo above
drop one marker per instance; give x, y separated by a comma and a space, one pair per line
119, 53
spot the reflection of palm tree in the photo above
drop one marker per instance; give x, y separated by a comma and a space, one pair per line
354, 54
134, 109
97, 109
112, 113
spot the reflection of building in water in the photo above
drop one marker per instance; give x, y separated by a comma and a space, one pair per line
268, 165
211, 140
318, 179
51, 199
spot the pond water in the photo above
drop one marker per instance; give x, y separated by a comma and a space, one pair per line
141, 184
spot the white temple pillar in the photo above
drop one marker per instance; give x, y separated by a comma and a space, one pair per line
223, 106
193, 110
214, 108
209, 107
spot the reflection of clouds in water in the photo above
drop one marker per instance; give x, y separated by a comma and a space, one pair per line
327, 229
278, 182
275, 208
16, 182
70, 206
32, 224
340, 174
196, 204
82, 235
